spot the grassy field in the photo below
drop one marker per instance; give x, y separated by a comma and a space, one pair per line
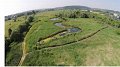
40, 29
75, 36
102, 48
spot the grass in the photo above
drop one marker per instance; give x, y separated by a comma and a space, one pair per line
57, 56
91, 51
88, 26
39, 30
100, 49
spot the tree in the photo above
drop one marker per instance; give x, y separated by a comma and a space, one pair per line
16, 36
61, 15
64, 19
77, 12
73, 15
15, 18
119, 18
119, 26
84, 15
22, 28
9, 31
33, 12
30, 19
7, 43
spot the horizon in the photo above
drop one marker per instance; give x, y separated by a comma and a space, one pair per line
56, 7
18, 6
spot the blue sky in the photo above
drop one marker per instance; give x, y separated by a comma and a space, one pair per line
16, 6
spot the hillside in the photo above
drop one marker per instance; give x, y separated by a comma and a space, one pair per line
63, 37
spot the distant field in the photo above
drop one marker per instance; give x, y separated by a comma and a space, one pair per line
13, 25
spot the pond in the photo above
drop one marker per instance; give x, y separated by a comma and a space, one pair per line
59, 35
54, 19
59, 25
70, 30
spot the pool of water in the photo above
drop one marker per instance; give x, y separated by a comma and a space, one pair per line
70, 30
59, 25
54, 19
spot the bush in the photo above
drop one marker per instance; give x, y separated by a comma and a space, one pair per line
15, 18
30, 19
16, 36
7, 43
34, 12
73, 15
119, 26
23, 27
9, 31
118, 31
84, 15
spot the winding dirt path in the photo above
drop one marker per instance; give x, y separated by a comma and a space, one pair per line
24, 53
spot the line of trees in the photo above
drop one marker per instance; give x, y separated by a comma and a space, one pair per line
14, 17
75, 14
104, 19
18, 34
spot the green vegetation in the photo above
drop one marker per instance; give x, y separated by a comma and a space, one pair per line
14, 37
14, 55
101, 48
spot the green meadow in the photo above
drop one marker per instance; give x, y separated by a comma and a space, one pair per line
96, 43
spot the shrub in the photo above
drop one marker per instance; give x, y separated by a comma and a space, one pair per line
15, 18
30, 19
34, 12
7, 43
118, 31
16, 36
84, 15
119, 26
23, 27
73, 15
9, 31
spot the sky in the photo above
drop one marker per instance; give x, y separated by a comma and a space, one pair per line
15, 6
